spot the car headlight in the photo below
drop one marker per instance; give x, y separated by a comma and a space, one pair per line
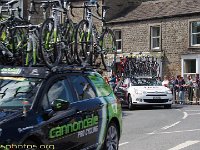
138, 92
168, 92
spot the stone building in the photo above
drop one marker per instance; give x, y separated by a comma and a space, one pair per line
167, 29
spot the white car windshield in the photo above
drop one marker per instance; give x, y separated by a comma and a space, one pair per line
145, 82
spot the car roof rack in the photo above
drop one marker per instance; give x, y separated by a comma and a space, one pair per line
41, 71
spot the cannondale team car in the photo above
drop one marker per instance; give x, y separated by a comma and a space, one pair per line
142, 91
67, 108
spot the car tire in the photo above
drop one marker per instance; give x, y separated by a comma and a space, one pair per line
32, 143
130, 104
169, 106
112, 138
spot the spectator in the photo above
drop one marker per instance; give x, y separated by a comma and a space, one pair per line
158, 80
173, 87
197, 88
177, 88
106, 79
181, 87
190, 88
112, 81
165, 82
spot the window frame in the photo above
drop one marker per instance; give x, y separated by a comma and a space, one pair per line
46, 87
119, 40
74, 89
156, 37
191, 34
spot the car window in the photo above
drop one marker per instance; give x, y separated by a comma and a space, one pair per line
82, 87
102, 88
17, 91
59, 90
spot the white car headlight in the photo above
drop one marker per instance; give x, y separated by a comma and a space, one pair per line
138, 92
168, 92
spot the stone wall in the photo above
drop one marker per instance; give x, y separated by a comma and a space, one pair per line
174, 40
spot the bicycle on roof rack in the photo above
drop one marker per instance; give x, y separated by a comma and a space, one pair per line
90, 47
141, 66
11, 38
56, 39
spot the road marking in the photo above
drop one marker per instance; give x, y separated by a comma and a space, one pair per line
194, 114
192, 110
151, 133
184, 145
185, 115
167, 127
123, 143
178, 109
174, 131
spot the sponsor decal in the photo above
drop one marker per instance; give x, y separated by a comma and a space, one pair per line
60, 131
10, 71
87, 131
34, 72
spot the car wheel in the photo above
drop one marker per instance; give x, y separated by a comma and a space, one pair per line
169, 106
33, 145
130, 104
112, 138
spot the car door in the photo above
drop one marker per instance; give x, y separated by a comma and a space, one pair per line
60, 128
90, 106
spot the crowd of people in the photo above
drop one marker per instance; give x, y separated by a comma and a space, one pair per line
184, 91
180, 88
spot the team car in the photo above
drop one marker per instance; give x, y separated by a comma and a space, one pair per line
64, 108
140, 91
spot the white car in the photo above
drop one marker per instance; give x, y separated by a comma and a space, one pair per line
145, 91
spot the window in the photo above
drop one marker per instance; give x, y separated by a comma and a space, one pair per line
195, 33
118, 35
82, 87
155, 37
59, 90
189, 67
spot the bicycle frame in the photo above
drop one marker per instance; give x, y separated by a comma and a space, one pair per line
32, 45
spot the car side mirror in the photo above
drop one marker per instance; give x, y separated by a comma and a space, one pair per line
59, 105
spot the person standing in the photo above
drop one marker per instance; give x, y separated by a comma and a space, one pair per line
112, 81
190, 88
197, 88
177, 88
165, 82
181, 86
173, 87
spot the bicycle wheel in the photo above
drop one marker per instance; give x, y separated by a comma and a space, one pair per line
83, 42
50, 43
13, 40
108, 46
68, 41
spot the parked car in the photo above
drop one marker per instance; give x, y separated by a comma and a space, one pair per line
65, 109
141, 91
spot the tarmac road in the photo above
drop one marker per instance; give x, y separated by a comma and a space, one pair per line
161, 129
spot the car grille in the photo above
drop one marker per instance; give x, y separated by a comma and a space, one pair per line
156, 94
155, 100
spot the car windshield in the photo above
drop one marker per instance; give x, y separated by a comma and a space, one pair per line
17, 92
145, 82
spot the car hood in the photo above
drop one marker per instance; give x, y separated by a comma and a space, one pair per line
150, 88
6, 114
